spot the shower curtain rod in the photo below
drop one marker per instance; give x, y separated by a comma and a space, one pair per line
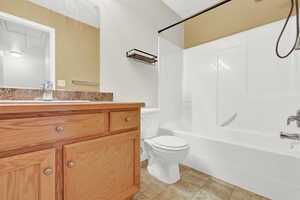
195, 15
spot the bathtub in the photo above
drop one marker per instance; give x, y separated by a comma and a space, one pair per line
259, 163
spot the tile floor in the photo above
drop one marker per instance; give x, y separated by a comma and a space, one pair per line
194, 185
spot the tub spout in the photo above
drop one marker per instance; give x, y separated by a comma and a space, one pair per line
289, 136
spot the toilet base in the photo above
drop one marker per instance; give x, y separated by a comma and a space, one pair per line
165, 172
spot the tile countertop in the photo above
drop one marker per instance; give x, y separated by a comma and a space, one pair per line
10, 107
32, 94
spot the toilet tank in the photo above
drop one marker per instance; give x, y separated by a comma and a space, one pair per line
149, 122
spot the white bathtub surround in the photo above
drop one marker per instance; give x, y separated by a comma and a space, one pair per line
170, 80
164, 153
235, 97
256, 166
242, 75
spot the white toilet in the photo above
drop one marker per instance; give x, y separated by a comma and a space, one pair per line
164, 152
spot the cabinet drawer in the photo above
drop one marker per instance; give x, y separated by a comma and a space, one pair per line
19, 133
124, 120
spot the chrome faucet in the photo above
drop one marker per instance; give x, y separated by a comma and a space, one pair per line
292, 136
294, 118
48, 91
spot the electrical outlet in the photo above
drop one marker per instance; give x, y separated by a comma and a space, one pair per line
61, 83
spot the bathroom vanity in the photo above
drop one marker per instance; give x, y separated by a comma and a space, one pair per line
69, 151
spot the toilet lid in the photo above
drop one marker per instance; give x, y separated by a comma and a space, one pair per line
170, 142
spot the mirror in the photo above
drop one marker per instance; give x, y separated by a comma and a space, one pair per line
56, 41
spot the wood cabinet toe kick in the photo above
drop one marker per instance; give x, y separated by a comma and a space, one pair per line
69, 151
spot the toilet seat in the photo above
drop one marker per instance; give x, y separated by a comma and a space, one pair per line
170, 143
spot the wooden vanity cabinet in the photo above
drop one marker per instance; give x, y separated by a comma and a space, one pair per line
67, 152
28, 176
104, 168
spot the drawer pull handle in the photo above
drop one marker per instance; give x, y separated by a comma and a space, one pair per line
128, 119
71, 164
60, 129
48, 171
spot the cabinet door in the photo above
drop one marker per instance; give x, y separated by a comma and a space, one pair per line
103, 169
28, 176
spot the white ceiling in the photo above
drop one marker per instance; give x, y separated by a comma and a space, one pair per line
81, 10
186, 8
